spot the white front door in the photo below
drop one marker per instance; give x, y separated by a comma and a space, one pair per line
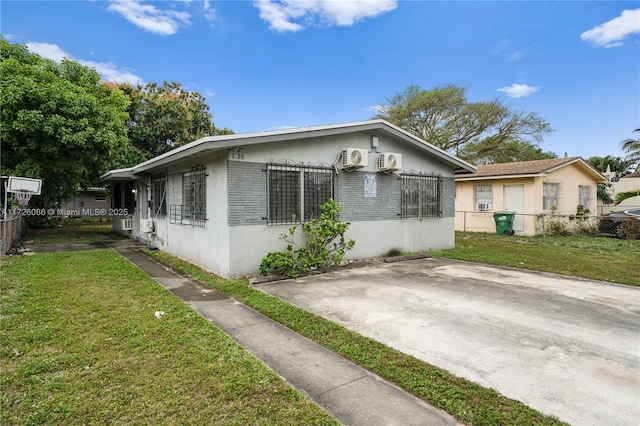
514, 201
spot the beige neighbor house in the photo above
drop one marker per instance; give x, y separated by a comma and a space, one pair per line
630, 182
529, 188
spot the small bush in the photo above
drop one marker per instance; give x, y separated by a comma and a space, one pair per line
557, 227
630, 228
325, 245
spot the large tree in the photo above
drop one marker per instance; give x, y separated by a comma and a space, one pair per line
618, 165
485, 152
58, 123
164, 117
475, 131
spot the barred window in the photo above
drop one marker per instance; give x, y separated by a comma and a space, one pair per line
159, 194
421, 195
550, 195
296, 192
483, 195
194, 197
584, 196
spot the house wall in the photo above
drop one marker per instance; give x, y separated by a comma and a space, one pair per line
375, 221
236, 236
472, 220
623, 185
569, 177
208, 245
85, 204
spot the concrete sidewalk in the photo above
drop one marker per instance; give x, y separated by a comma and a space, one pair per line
349, 393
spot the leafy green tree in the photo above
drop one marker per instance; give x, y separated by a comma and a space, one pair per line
632, 148
618, 165
472, 130
486, 152
58, 123
164, 117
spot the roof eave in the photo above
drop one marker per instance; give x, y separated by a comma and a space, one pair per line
489, 177
118, 175
219, 143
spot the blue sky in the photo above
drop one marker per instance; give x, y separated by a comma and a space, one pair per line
266, 65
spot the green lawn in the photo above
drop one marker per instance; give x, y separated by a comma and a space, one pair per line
81, 345
69, 231
126, 358
597, 258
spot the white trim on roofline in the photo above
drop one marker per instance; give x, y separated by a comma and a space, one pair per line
217, 143
493, 177
118, 174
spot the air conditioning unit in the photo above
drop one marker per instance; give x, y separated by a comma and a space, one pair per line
146, 225
354, 157
126, 224
483, 207
389, 161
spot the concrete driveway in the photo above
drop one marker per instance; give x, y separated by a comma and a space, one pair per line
565, 346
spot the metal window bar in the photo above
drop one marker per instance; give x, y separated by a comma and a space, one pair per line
159, 194
483, 196
584, 196
421, 195
551, 194
193, 210
180, 214
296, 192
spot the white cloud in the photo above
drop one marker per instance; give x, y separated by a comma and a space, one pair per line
110, 72
611, 33
519, 90
295, 15
148, 17
209, 14
107, 70
51, 51
377, 109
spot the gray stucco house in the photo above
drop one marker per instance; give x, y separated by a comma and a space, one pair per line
90, 202
223, 201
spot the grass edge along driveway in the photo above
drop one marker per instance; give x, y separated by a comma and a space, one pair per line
467, 401
81, 344
596, 258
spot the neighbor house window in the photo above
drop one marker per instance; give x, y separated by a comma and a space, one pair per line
550, 195
159, 194
420, 195
296, 192
483, 196
100, 196
194, 196
584, 196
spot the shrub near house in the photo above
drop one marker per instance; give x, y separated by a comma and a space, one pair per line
325, 245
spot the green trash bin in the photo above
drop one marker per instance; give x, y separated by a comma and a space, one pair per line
504, 222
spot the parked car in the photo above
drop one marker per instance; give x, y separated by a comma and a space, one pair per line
611, 223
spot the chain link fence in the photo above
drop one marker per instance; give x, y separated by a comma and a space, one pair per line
530, 224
